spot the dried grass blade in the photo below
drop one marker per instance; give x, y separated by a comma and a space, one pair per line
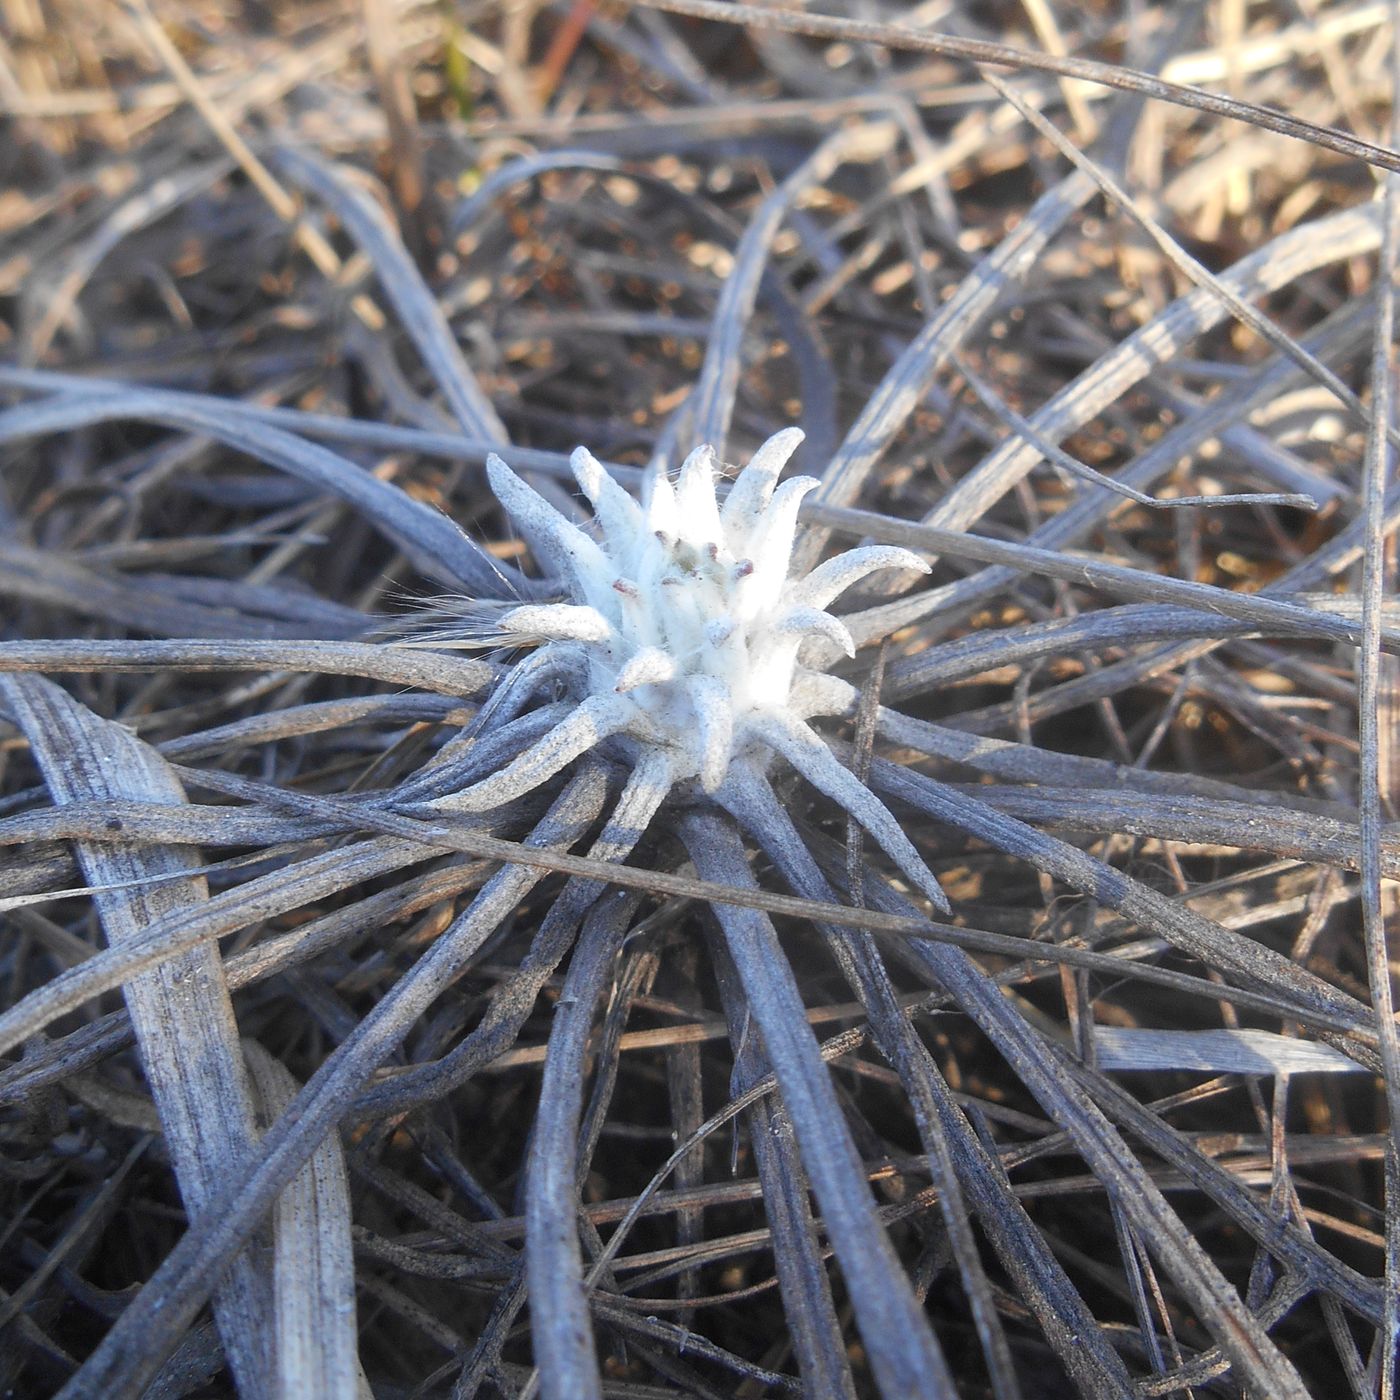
903, 1351
1337, 339
818, 1338
46, 576
309, 238
1351, 233
562, 1328
1379, 933
984, 51
1197, 272
388, 437
1259, 966
1216, 1052
46, 302
1236, 1330
1289, 1242
1282, 831
399, 666
907, 381
132, 1349
266, 896
1026, 764
314, 1267
522, 170
1115, 626
1262, 611
177, 929
426, 535
956, 1157
373, 230
181, 1010
713, 400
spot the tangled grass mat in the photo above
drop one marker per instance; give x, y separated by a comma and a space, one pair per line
920, 930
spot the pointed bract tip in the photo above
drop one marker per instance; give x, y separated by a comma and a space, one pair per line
587, 470
505, 484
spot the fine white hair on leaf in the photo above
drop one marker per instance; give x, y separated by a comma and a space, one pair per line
830, 580
816, 693
770, 544
803, 622
582, 729
814, 761
617, 512
649, 666
557, 622
720, 630
457, 624
556, 541
753, 487
663, 516
682, 630
695, 495
714, 715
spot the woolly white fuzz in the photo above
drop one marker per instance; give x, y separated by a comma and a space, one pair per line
683, 613
681, 631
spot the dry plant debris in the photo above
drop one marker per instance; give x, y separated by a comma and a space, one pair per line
325, 1075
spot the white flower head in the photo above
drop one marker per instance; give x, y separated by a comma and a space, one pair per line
681, 633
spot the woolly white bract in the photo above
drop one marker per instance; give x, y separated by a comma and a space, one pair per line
681, 634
